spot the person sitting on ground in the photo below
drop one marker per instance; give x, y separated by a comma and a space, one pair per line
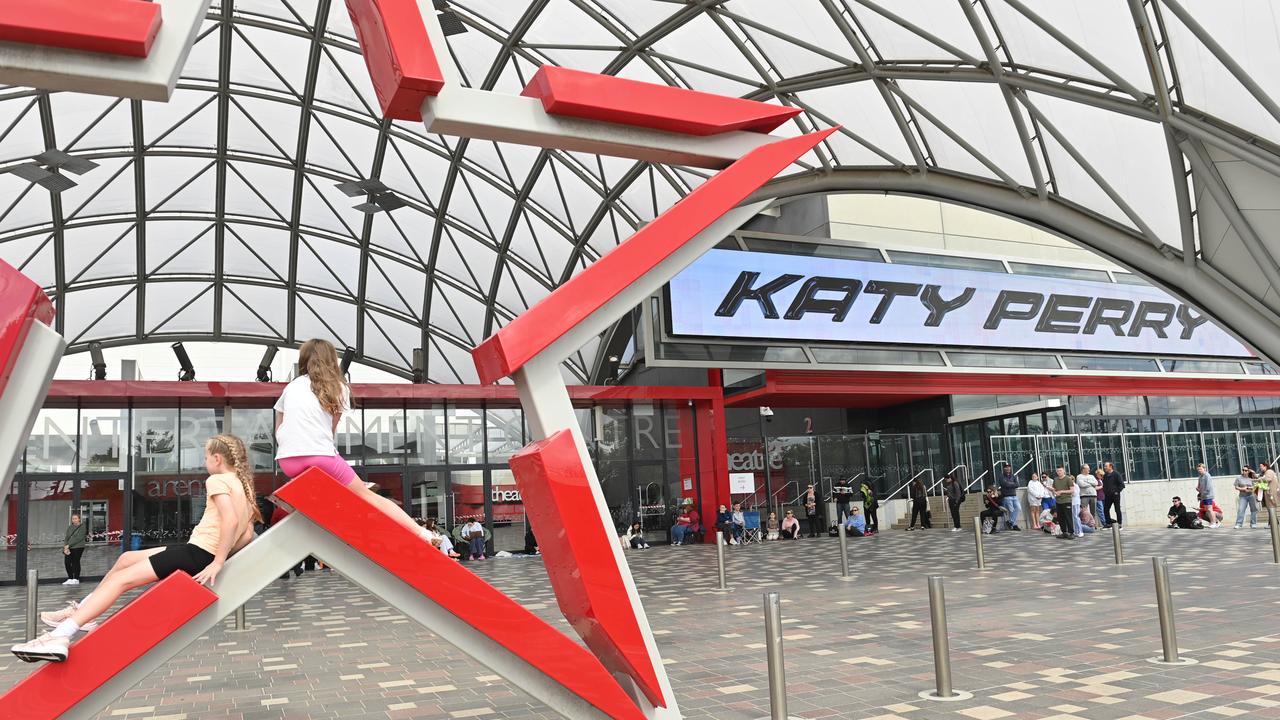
635, 537
739, 520
855, 525
1085, 521
439, 538
1181, 517
226, 526
1047, 523
790, 526
724, 523
771, 526
993, 510
473, 533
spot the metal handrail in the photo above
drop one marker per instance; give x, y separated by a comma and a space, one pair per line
773, 496
997, 464
908, 482
978, 479
942, 479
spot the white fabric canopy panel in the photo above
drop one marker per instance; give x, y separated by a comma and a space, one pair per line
218, 216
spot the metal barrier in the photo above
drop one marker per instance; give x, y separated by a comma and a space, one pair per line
720, 559
941, 646
977, 542
33, 602
773, 650
1116, 545
1275, 534
1164, 606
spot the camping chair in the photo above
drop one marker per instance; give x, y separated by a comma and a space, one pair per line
751, 527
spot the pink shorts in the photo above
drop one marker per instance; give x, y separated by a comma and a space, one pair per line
337, 467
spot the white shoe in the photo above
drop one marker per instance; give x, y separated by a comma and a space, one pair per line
73, 582
1253, 526
955, 529
1216, 525
1239, 527
55, 618
68, 581
48, 646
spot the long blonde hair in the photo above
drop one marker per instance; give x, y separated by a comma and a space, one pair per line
318, 360
232, 449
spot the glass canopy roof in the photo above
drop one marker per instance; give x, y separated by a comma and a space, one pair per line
219, 216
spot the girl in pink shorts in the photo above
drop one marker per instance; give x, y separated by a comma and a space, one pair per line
307, 416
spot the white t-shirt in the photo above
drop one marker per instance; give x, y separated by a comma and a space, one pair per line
307, 428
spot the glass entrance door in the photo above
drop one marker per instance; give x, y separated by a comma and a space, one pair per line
428, 495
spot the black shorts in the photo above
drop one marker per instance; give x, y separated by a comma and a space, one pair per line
188, 558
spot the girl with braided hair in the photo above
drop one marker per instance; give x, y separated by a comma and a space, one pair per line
226, 527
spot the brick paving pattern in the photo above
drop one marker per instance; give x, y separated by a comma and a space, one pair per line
1051, 630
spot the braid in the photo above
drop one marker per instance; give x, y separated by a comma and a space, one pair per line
238, 457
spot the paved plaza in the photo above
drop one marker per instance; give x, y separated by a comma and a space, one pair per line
1050, 630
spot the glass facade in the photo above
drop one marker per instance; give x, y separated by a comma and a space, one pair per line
137, 474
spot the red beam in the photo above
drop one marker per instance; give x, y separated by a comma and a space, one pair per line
790, 388
124, 637
119, 392
113, 27
607, 98
398, 54
22, 302
507, 350
579, 553
447, 583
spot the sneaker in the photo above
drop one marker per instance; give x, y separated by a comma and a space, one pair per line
1253, 526
69, 581
1015, 527
1239, 527
48, 646
55, 618
955, 529
1215, 526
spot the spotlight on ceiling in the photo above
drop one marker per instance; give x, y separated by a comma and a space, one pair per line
419, 374
264, 365
98, 361
348, 356
188, 372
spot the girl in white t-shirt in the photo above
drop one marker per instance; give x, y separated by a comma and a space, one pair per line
307, 416
226, 527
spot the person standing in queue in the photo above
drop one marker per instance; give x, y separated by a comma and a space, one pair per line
73, 547
810, 501
955, 496
1064, 488
1112, 486
871, 507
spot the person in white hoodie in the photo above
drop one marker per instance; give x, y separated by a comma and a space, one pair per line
1036, 494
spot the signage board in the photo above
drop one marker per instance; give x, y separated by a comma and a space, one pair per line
732, 294
742, 483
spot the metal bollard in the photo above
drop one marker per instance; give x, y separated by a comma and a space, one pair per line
844, 549
977, 539
33, 584
1275, 534
1164, 604
1116, 544
720, 559
242, 623
941, 644
773, 649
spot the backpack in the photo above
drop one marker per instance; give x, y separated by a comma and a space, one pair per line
987, 526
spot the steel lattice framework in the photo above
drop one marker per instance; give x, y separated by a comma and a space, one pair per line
1144, 129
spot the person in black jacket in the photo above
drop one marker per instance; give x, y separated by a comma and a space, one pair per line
1008, 485
919, 505
993, 508
1112, 486
955, 496
1182, 517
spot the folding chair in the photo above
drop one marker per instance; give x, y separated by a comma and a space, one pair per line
751, 527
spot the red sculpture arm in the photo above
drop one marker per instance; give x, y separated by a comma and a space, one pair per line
122, 639
114, 27
22, 302
534, 330
592, 96
398, 53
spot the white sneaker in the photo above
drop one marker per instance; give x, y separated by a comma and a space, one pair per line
1239, 527
68, 581
48, 646
55, 618
1253, 526
1215, 526
955, 529
73, 582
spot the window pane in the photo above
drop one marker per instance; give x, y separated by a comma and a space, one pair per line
1146, 457
256, 427
350, 437
384, 436
1095, 362
426, 437
646, 426
466, 436
1184, 454
52, 445
196, 426
155, 441
1058, 271
1082, 405
1222, 453
102, 435
503, 434
1203, 366
102, 510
